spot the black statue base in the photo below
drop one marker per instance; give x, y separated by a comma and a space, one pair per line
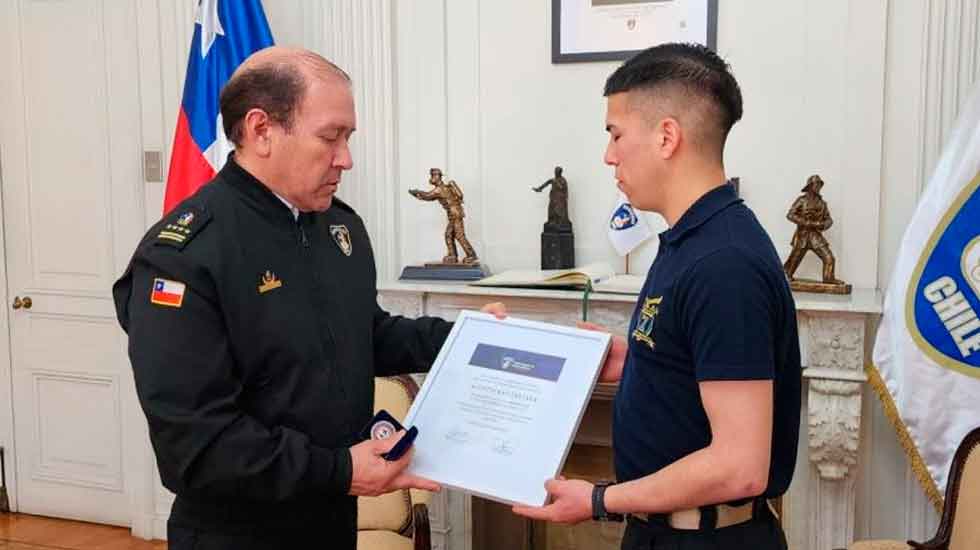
444, 272
557, 249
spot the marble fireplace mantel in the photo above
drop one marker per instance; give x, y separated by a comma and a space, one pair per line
835, 346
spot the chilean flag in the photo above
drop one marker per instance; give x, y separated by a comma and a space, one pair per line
167, 292
225, 33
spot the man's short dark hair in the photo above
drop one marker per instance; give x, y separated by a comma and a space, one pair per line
276, 87
693, 75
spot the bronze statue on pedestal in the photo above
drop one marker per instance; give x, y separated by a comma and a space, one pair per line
812, 217
557, 239
557, 202
450, 197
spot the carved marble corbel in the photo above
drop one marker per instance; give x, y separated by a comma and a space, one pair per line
834, 421
835, 370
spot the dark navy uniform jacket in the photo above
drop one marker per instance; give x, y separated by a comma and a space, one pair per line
256, 383
715, 306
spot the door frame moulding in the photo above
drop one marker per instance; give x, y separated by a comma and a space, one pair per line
6, 371
7, 52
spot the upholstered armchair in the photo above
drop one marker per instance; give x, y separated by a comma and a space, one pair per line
398, 520
959, 527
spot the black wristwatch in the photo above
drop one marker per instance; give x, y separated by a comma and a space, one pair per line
599, 512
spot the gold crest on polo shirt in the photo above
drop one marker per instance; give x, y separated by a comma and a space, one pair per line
648, 317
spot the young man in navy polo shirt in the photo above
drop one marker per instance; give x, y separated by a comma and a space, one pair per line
706, 419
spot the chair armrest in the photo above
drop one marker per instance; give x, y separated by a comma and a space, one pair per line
879, 544
937, 543
421, 532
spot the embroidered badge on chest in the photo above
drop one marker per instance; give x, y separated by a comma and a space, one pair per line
269, 282
648, 316
341, 236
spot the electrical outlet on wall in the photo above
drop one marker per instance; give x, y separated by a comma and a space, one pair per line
153, 166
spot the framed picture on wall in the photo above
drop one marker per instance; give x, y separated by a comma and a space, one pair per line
612, 30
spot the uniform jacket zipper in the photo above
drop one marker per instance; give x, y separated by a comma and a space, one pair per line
311, 263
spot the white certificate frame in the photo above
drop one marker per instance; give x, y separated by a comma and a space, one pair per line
499, 409
614, 30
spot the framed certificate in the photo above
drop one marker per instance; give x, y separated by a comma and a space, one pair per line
501, 405
610, 30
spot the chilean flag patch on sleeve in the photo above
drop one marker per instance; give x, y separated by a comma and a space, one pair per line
167, 292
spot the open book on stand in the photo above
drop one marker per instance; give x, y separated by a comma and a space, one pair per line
601, 276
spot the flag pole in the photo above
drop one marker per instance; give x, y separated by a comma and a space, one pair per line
627, 263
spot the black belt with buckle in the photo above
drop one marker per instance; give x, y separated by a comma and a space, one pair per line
706, 517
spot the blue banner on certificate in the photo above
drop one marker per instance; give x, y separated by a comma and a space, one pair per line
526, 363
499, 409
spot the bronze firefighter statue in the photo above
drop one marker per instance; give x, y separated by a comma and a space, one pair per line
450, 197
812, 217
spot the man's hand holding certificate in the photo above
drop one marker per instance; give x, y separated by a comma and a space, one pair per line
501, 405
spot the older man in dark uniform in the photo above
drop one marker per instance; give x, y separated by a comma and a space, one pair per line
254, 328
706, 419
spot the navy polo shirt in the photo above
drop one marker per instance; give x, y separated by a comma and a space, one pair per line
715, 306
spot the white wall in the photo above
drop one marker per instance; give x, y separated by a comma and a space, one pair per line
470, 88
837, 88
478, 95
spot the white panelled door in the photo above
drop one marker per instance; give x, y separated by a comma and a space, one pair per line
69, 140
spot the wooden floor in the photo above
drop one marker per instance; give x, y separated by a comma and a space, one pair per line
22, 532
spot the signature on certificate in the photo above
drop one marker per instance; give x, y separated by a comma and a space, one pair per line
457, 435
503, 446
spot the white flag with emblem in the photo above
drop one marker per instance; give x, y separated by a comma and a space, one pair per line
627, 229
927, 353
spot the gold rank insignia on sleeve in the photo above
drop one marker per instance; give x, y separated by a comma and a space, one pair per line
181, 226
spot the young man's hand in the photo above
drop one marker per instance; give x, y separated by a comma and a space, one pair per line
571, 502
612, 369
497, 309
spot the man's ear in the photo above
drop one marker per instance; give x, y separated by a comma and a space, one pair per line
669, 136
257, 132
